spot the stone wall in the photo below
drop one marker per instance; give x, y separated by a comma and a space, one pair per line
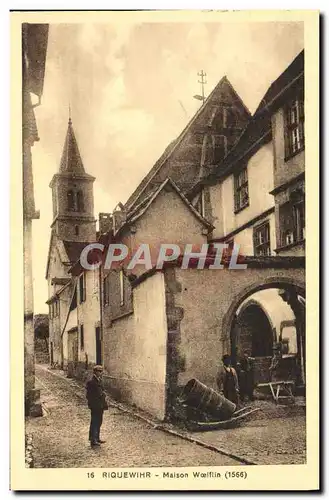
135, 350
202, 307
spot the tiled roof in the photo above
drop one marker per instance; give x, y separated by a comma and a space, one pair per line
134, 215
259, 127
176, 142
71, 161
74, 249
278, 86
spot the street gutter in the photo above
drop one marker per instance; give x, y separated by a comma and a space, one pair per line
154, 423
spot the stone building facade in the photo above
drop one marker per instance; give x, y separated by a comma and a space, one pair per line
152, 329
34, 49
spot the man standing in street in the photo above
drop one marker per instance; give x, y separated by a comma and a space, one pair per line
97, 404
227, 380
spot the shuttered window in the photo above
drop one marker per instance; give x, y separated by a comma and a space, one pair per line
294, 127
241, 192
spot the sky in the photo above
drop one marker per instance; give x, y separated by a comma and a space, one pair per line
130, 88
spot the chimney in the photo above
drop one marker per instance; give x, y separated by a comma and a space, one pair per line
105, 223
119, 217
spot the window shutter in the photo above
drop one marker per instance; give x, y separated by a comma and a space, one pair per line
287, 140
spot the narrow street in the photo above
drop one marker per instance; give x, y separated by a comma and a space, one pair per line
60, 437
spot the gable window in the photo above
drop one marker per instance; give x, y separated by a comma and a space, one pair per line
106, 290
122, 288
229, 117
70, 200
241, 193
82, 288
294, 127
292, 220
82, 338
262, 245
220, 146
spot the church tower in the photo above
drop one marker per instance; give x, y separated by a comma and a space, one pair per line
73, 198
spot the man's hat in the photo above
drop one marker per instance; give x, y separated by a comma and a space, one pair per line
98, 368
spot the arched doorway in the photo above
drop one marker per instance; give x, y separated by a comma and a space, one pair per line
249, 319
255, 330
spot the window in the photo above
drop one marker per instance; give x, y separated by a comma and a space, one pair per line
106, 295
241, 195
82, 288
220, 146
70, 200
74, 301
122, 291
82, 338
76, 230
213, 114
294, 127
292, 220
80, 204
262, 245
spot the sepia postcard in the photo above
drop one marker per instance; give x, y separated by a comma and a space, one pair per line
164, 250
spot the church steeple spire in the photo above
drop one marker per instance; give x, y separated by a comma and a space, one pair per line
71, 161
72, 192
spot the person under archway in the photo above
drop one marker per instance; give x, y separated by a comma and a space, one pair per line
227, 380
246, 376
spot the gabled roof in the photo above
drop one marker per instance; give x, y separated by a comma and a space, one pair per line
49, 253
140, 209
71, 161
74, 249
175, 143
258, 130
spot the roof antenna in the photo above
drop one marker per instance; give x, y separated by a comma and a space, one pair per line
203, 82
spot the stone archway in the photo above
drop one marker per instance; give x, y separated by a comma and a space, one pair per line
291, 289
269, 282
255, 330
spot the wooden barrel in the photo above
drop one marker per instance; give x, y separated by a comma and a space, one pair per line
205, 399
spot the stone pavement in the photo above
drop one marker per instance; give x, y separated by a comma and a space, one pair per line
276, 436
60, 438
275, 441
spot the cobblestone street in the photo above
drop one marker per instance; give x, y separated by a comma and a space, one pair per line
60, 438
